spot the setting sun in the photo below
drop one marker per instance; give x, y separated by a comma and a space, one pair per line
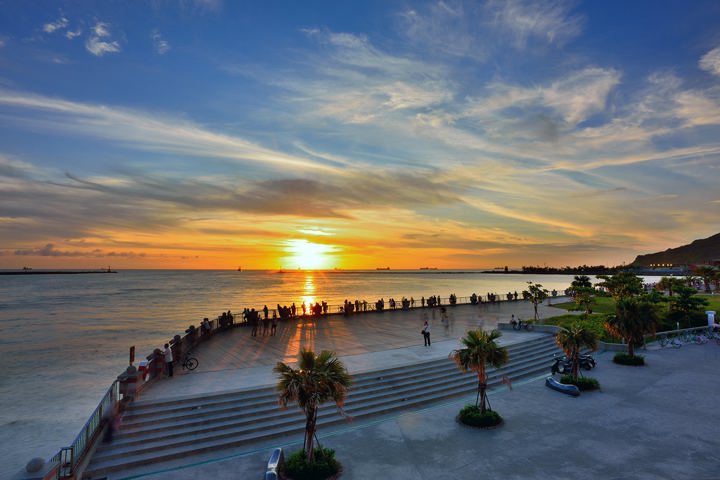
307, 255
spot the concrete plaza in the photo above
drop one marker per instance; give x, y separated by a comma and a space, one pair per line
654, 422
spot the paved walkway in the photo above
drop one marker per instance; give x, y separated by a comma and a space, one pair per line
653, 422
235, 360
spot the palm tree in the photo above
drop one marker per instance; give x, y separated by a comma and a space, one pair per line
318, 379
479, 351
573, 339
536, 294
633, 319
581, 281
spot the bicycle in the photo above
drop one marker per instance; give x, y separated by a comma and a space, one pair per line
189, 363
712, 334
699, 339
669, 341
520, 325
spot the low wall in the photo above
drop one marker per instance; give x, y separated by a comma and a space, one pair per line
536, 328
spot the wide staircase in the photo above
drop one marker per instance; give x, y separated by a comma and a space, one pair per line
155, 433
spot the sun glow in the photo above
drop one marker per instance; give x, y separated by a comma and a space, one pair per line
308, 255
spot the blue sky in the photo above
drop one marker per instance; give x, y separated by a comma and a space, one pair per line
208, 134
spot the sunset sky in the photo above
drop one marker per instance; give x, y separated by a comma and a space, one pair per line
313, 134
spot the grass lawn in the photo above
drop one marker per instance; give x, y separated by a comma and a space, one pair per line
714, 302
601, 305
606, 305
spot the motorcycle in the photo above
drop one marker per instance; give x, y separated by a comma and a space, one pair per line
563, 365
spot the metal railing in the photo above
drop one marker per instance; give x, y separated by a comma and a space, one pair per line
66, 461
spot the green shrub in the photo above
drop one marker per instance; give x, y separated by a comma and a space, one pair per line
583, 383
471, 415
623, 358
325, 466
670, 320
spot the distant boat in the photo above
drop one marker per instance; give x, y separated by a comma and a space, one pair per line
239, 269
382, 268
428, 268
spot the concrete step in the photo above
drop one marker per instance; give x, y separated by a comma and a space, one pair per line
142, 408
266, 401
202, 408
155, 432
447, 384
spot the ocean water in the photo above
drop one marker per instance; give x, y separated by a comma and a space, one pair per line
64, 338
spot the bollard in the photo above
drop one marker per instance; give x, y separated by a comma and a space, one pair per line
128, 382
158, 363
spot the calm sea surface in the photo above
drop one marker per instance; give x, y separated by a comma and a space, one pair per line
64, 338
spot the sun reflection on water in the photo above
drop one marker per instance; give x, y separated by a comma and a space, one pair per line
309, 287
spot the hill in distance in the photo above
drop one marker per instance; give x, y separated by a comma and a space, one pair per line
702, 251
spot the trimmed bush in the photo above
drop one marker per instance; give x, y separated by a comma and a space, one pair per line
470, 415
324, 467
622, 358
583, 383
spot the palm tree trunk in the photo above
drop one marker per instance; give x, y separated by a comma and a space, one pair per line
482, 387
631, 348
575, 363
310, 425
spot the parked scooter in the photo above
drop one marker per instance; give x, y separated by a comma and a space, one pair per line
563, 365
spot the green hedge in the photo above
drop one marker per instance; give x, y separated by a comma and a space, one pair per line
669, 320
471, 415
325, 466
622, 358
583, 383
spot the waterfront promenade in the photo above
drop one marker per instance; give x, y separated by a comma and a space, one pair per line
366, 341
659, 421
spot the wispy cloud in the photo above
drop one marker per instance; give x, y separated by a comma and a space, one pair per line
357, 83
49, 250
710, 62
71, 34
447, 28
59, 24
161, 45
524, 20
478, 31
145, 131
569, 100
98, 42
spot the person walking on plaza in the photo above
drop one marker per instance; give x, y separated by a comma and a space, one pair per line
169, 360
273, 328
426, 333
254, 323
